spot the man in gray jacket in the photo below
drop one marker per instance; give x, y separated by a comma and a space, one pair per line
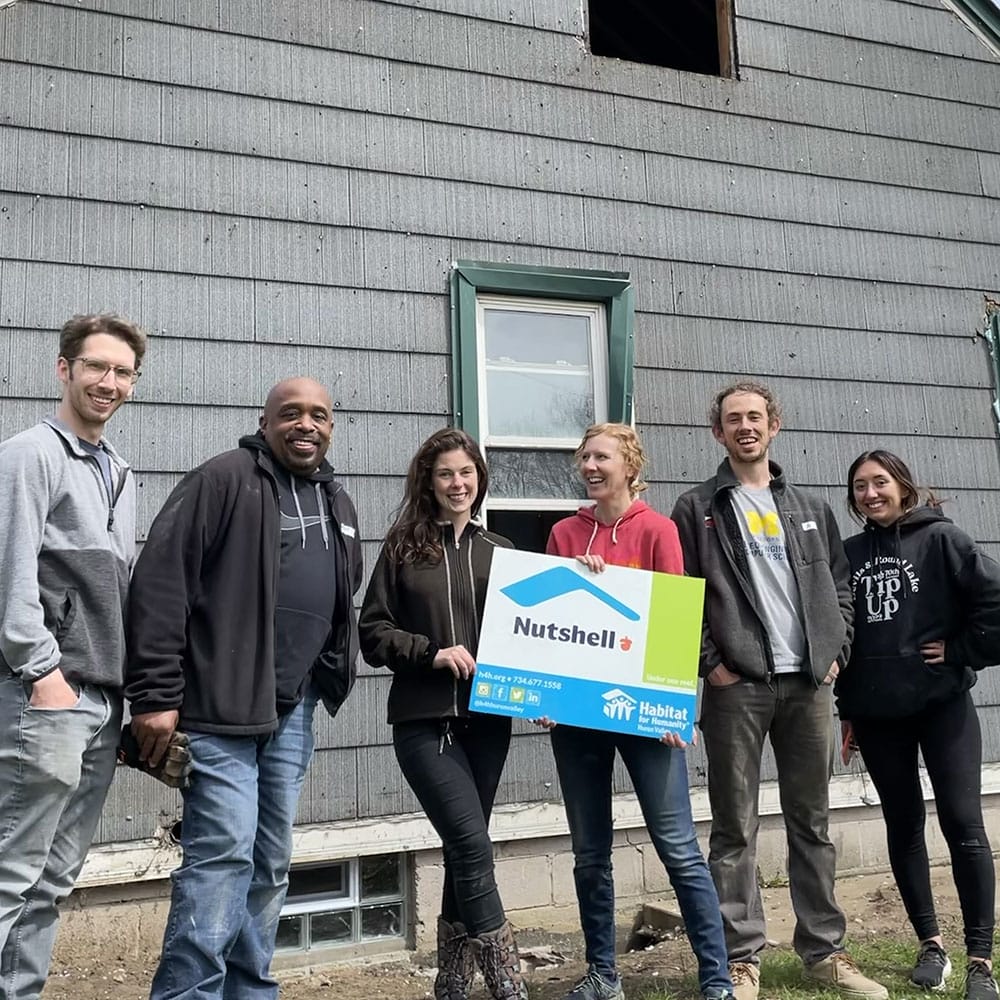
777, 630
67, 540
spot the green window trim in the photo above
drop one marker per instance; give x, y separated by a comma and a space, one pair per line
984, 15
470, 278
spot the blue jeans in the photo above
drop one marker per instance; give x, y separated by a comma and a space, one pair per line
236, 833
55, 769
585, 760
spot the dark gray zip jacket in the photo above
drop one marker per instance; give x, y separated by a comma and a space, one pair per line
412, 610
202, 603
66, 551
733, 631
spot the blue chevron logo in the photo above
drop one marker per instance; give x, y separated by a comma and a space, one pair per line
555, 582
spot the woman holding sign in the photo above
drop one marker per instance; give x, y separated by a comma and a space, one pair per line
926, 617
623, 531
420, 618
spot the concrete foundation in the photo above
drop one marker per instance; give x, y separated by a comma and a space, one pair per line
535, 878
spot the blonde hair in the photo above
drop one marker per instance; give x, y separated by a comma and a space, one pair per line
631, 449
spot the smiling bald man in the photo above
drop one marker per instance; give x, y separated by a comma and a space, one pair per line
241, 617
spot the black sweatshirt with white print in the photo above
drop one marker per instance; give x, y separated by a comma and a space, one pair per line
916, 581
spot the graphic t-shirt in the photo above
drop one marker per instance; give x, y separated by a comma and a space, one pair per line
772, 576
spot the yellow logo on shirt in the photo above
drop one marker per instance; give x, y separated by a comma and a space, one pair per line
767, 525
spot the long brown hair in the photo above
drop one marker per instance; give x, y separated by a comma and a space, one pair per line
899, 470
415, 534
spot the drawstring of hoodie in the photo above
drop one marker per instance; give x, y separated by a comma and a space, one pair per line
319, 509
597, 527
322, 519
298, 510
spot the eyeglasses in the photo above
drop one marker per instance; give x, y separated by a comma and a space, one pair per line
96, 369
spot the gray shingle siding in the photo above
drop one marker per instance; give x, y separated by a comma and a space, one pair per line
282, 187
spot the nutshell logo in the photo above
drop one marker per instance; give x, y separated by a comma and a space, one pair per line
618, 705
625, 642
556, 582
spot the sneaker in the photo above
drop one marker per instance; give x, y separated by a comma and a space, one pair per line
718, 994
932, 969
594, 986
979, 982
839, 972
746, 980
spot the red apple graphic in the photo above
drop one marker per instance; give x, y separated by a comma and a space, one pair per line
625, 642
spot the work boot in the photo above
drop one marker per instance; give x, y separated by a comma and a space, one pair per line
840, 972
456, 965
746, 980
496, 955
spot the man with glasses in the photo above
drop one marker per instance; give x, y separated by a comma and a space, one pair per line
67, 542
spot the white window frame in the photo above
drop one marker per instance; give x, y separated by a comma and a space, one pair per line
594, 311
320, 903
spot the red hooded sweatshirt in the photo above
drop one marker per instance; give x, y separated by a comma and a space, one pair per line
641, 538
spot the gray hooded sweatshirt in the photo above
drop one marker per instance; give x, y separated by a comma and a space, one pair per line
66, 552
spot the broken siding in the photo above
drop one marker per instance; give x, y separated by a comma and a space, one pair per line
278, 187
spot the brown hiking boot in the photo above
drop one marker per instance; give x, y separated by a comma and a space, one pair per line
456, 966
496, 955
840, 972
746, 980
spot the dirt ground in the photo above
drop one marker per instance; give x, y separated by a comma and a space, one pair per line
871, 903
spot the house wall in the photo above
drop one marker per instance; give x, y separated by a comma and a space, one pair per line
278, 188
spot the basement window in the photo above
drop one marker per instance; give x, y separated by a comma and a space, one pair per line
692, 35
343, 904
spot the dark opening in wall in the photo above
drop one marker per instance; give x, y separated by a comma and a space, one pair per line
691, 35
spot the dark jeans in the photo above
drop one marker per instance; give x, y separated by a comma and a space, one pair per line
798, 718
585, 760
950, 741
454, 767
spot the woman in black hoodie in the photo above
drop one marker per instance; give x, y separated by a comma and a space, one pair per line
421, 618
926, 617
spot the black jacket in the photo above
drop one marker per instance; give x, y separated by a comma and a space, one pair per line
918, 580
202, 598
412, 610
733, 631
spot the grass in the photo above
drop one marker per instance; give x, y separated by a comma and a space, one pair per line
888, 961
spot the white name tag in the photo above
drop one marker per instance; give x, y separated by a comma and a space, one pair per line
348, 529
809, 526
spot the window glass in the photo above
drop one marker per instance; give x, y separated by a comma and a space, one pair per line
380, 876
384, 920
534, 474
331, 928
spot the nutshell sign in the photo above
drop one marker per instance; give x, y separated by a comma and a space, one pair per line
616, 650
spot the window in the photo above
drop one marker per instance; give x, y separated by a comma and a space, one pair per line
539, 355
344, 903
692, 35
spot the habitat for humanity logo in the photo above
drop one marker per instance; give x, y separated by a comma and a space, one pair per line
618, 704
557, 582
